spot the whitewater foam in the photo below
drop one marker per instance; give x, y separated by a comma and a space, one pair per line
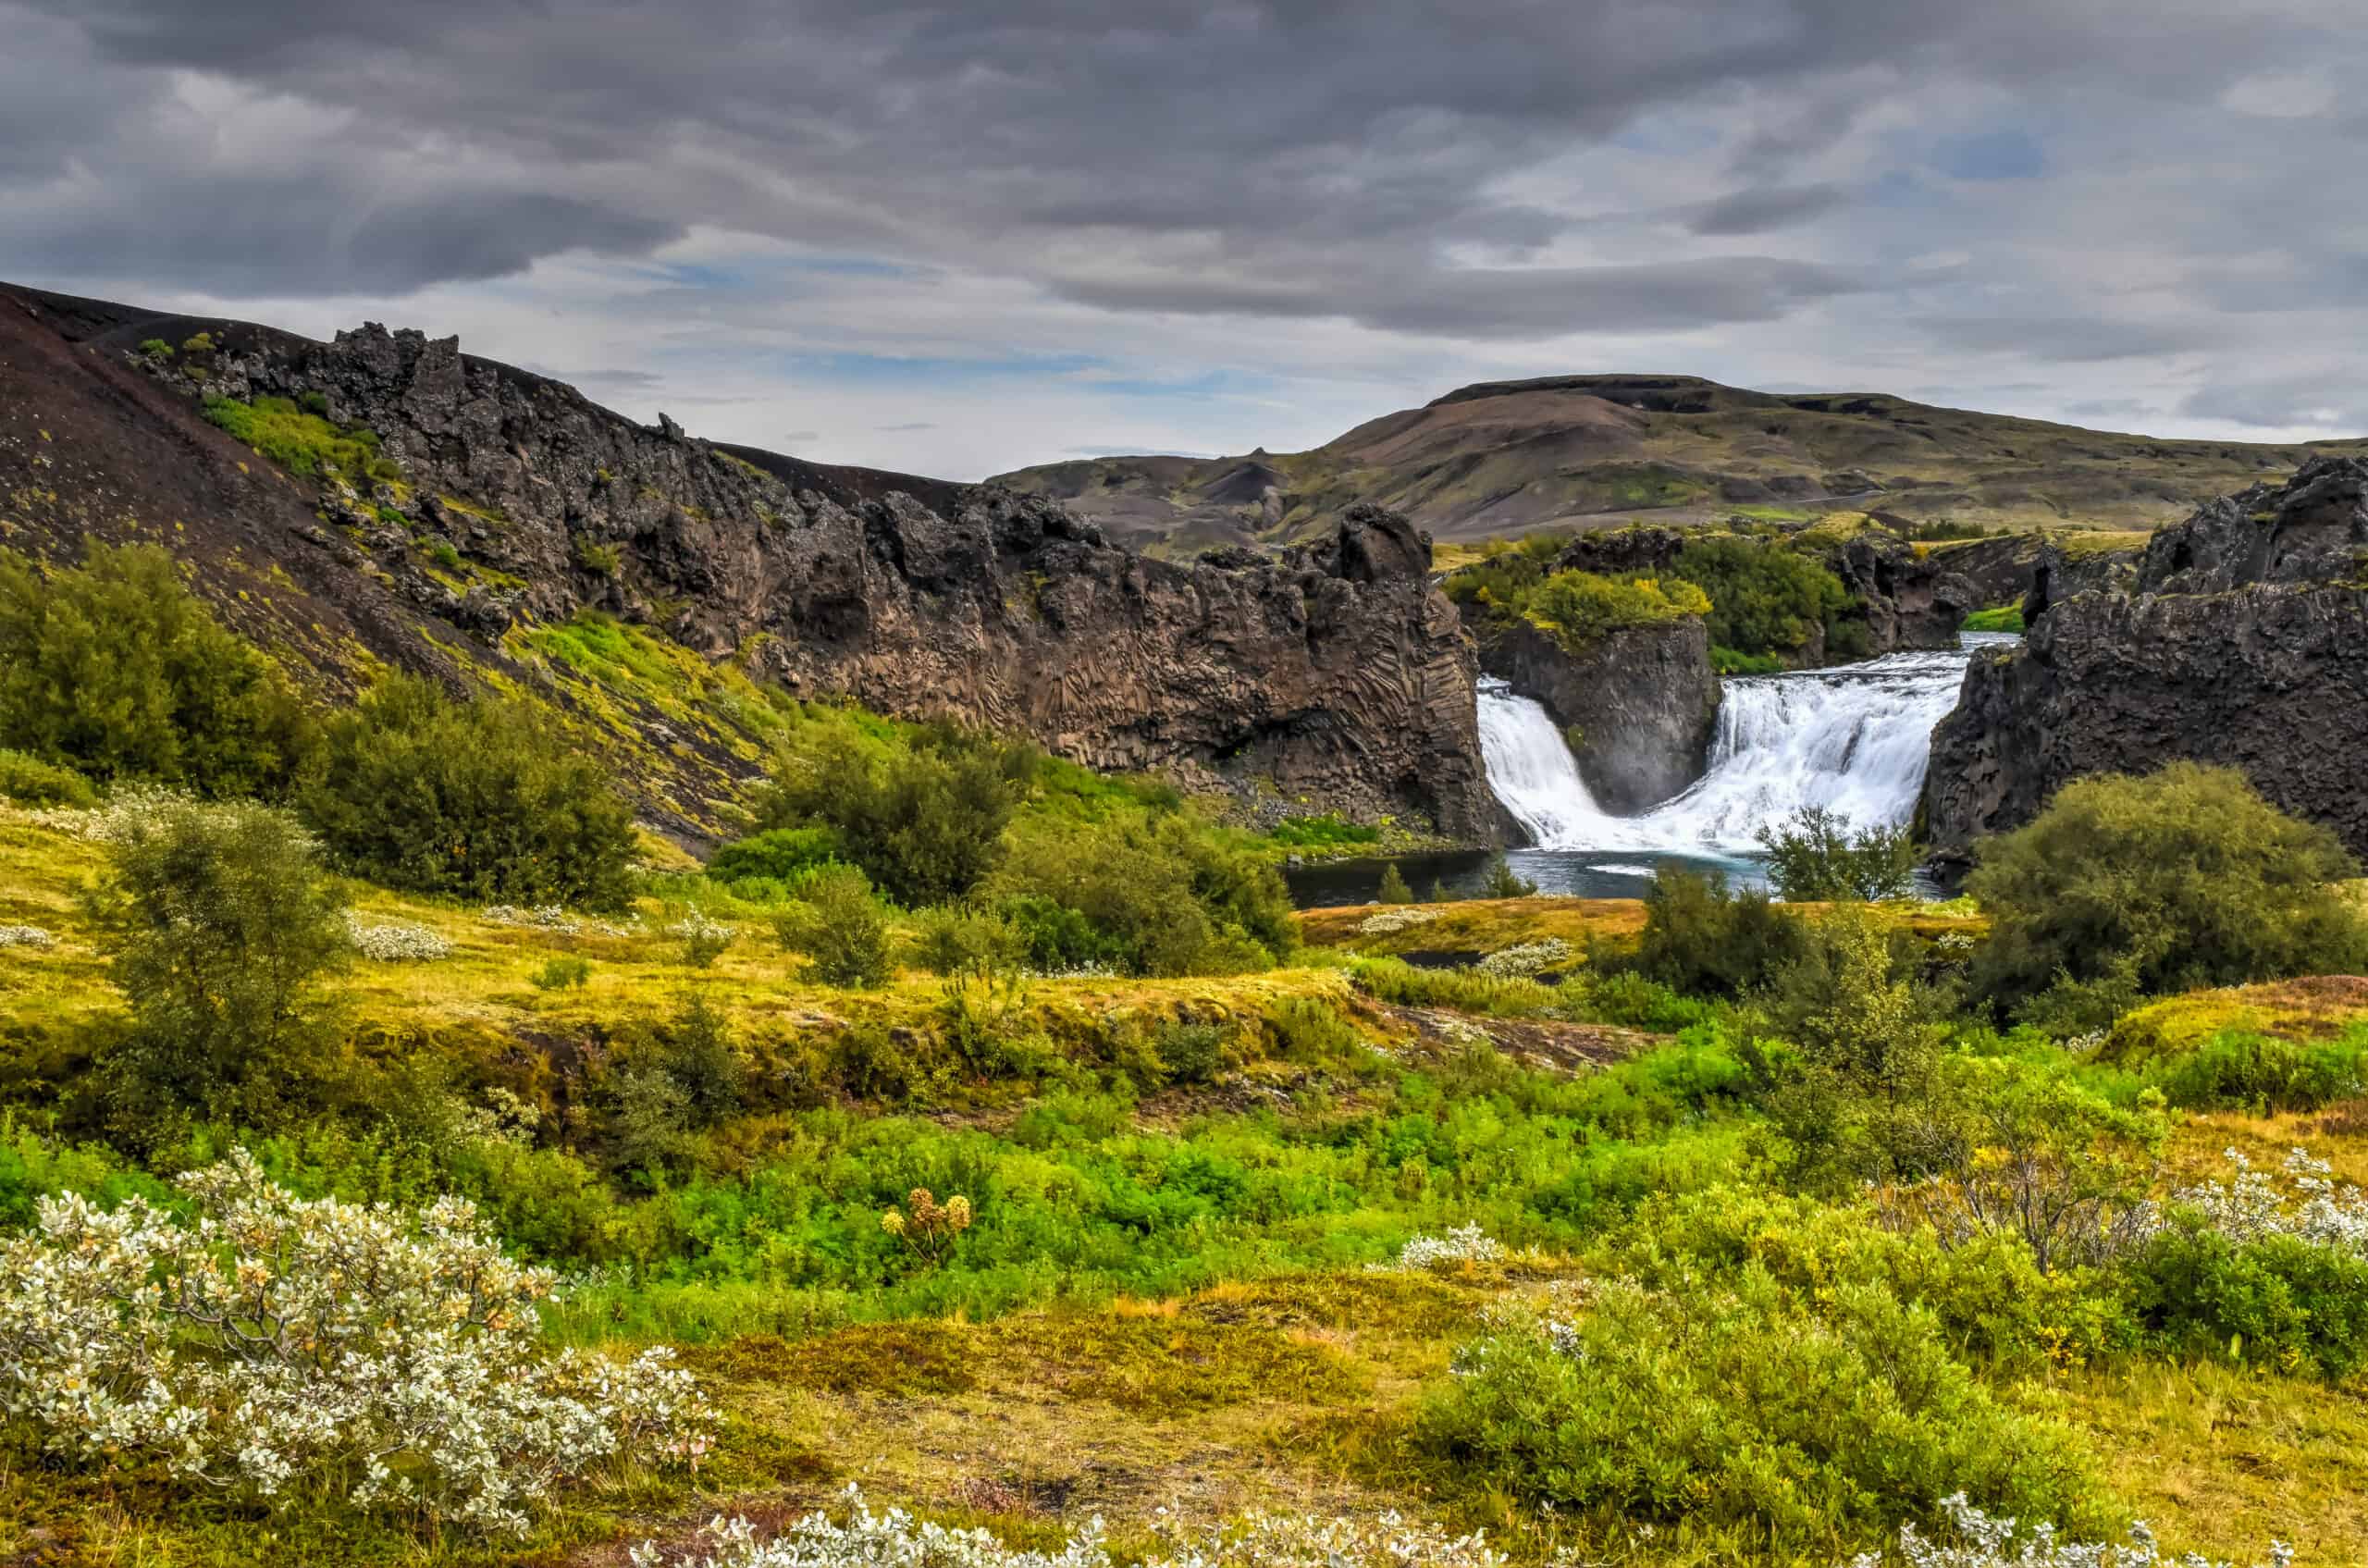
1853, 739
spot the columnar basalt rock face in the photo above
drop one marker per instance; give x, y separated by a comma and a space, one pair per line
1334, 673
2243, 639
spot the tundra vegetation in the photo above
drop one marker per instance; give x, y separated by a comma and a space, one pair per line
402, 1159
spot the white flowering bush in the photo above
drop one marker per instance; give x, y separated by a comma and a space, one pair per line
1465, 1243
1391, 920
896, 1540
703, 940
126, 810
546, 917
1983, 1542
1526, 958
395, 942
270, 1343
25, 936
2250, 1205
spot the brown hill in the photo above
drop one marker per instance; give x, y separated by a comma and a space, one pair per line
1511, 457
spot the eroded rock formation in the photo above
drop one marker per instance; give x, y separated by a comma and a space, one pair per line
1336, 675
2243, 639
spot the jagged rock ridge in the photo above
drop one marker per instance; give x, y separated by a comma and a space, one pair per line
2241, 638
1335, 674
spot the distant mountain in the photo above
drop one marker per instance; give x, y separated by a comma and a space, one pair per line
1510, 457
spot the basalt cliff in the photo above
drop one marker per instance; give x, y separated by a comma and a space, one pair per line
505, 505
2240, 637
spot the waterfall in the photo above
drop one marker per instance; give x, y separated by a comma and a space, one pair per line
1852, 739
1530, 771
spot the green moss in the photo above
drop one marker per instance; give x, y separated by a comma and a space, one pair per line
2005, 618
300, 441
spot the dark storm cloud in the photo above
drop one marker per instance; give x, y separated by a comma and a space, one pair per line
1417, 181
1758, 211
2298, 404
1505, 302
2069, 339
985, 131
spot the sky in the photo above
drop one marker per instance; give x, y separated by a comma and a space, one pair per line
956, 239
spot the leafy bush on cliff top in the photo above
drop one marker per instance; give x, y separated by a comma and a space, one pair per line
483, 800
115, 670
1579, 608
1766, 598
2171, 881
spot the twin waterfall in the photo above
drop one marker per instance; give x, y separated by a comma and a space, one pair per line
1852, 739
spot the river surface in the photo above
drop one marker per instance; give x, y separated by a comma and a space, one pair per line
1854, 739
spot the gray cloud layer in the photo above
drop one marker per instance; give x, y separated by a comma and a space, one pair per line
2025, 191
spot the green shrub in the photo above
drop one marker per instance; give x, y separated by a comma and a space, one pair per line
1401, 984
672, 1082
221, 927
1815, 854
115, 670
1500, 881
1393, 888
484, 799
779, 855
1328, 831
1188, 1053
1579, 608
1729, 662
1705, 940
923, 813
954, 939
1311, 1031
2165, 883
601, 561
156, 349
2262, 1073
839, 925
29, 781
566, 973
1160, 896
1739, 1408
1766, 598
2278, 1302
1508, 573
298, 440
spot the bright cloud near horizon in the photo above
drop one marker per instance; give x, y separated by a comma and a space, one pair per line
960, 239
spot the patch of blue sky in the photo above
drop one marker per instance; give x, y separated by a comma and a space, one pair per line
2009, 152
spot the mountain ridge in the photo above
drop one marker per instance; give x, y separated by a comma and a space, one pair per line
1588, 451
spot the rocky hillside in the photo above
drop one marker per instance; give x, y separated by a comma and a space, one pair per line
1512, 456
427, 510
2240, 637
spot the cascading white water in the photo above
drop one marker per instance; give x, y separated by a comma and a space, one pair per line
1852, 739
1530, 769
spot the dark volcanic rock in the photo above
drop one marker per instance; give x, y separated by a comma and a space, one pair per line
1911, 601
1336, 674
1637, 705
2243, 639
